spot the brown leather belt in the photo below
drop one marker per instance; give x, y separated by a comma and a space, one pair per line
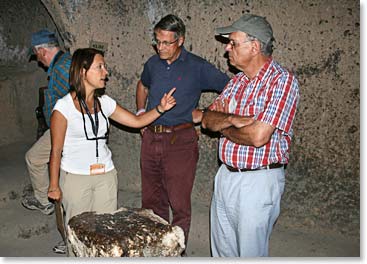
169, 129
266, 167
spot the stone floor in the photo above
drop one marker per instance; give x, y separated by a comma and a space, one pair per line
25, 233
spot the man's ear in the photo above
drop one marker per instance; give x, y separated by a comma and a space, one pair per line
256, 46
42, 51
181, 41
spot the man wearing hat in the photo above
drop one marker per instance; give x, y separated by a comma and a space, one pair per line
254, 115
45, 47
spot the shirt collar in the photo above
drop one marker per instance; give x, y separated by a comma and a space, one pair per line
260, 74
52, 62
264, 68
183, 54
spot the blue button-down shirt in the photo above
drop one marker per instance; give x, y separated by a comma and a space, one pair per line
58, 83
190, 74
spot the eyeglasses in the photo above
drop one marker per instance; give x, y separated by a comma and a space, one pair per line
100, 67
235, 44
164, 43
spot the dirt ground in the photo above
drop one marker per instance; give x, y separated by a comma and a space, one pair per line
25, 233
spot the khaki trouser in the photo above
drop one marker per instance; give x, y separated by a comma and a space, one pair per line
37, 158
85, 193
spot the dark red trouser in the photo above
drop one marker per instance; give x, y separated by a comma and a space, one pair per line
168, 174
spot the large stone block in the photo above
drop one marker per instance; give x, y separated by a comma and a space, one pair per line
127, 232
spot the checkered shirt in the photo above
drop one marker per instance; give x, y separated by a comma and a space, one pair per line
271, 97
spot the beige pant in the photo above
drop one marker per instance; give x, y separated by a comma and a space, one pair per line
83, 193
37, 158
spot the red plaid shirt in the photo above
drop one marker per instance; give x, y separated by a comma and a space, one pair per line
271, 97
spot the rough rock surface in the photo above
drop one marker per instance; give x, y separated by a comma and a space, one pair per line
317, 40
128, 232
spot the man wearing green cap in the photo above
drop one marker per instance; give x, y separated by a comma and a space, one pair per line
45, 47
254, 114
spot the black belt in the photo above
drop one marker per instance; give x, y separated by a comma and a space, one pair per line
266, 167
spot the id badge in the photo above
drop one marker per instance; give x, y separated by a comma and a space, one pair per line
97, 168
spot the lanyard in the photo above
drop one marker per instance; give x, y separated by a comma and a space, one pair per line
95, 124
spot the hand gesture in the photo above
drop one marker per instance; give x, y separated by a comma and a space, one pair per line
168, 101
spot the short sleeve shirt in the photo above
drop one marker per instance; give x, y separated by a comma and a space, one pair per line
58, 82
190, 74
271, 97
78, 152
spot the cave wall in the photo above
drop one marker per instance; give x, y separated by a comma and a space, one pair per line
318, 40
19, 77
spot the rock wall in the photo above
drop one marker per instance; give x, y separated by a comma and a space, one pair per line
318, 40
19, 78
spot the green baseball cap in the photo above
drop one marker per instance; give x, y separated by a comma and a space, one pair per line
253, 25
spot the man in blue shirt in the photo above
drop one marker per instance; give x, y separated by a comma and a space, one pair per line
46, 48
169, 151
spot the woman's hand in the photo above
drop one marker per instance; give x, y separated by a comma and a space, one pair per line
54, 193
167, 101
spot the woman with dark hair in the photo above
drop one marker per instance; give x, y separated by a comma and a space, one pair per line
82, 173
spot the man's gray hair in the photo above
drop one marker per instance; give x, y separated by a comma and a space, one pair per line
172, 23
47, 45
265, 48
